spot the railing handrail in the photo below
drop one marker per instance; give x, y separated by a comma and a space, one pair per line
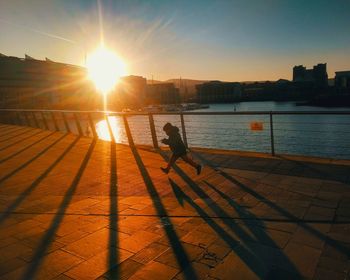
45, 118
187, 112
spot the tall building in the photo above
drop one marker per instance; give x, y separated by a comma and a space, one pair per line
30, 83
130, 93
216, 91
318, 75
162, 93
342, 81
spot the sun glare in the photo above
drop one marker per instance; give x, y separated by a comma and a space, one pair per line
105, 69
116, 127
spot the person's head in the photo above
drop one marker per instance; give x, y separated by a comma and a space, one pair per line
167, 128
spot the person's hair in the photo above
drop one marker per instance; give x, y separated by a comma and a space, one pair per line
167, 126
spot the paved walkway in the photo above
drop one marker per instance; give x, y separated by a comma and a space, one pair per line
72, 208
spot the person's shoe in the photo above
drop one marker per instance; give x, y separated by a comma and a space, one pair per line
166, 171
199, 169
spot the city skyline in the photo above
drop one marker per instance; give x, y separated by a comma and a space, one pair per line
203, 40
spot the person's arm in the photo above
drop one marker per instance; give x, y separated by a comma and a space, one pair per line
165, 141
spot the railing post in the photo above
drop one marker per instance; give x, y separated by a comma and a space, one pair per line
78, 124
27, 119
92, 125
271, 136
128, 132
110, 129
54, 121
65, 122
183, 128
44, 121
35, 120
153, 131
13, 121
18, 117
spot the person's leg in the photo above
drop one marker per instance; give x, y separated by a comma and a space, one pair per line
170, 163
191, 162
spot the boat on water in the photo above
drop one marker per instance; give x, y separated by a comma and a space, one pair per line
174, 107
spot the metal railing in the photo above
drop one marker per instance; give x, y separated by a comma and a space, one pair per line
293, 132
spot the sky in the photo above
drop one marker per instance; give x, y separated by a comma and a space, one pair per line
233, 40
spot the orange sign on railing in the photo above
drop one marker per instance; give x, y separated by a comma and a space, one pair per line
256, 126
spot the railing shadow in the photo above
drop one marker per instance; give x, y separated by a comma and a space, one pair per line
180, 253
247, 252
13, 134
50, 233
20, 140
32, 159
36, 182
113, 257
321, 236
322, 174
26, 147
334, 243
244, 246
11, 129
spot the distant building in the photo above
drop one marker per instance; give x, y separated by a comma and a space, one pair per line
342, 79
30, 83
216, 91
163, 93
318, 75
130, 92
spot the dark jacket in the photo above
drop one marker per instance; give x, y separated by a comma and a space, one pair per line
175, 142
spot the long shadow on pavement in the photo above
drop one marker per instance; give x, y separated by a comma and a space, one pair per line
20, 140
113, 257
43, 151
329, 241
5, 130
253, 258
26, 147
16, 133
328, 172
275, 166
180, 253
50, 233
35, 183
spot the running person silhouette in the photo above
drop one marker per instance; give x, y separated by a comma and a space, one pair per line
177, 147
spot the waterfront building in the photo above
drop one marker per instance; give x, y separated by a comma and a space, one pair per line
162, 93
217, 92
44, 84
317, 75
342, 81
129, 93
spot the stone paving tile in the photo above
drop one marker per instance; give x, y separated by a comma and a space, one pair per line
13, 251
149, 253
137, 241
325, 274
90, 245
233, 266
197, 238
267, 197
11, 265
306, 237
155, 270
169, 257
98, 264
124, 271
49, 268
200, 270
334, 265
304, 257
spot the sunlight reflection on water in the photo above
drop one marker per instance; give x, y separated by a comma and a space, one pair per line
103, 131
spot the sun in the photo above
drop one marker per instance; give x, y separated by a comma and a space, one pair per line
105, 69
